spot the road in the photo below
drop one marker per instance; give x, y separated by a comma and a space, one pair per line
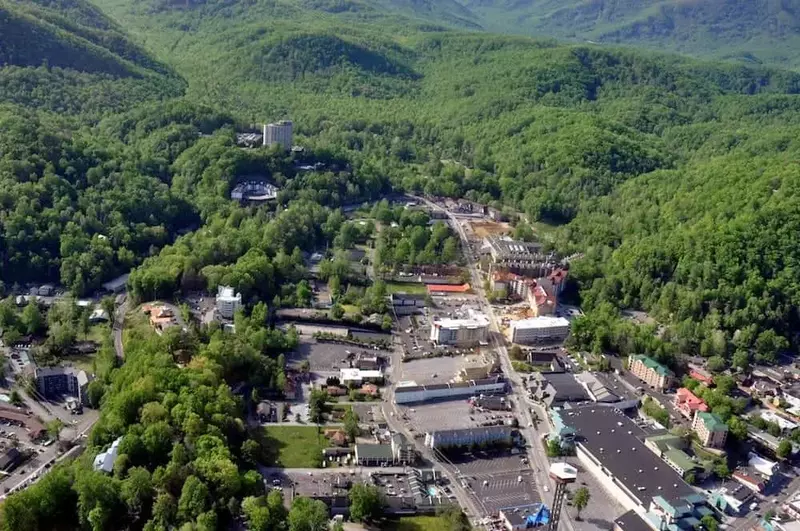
119, 324
539, 462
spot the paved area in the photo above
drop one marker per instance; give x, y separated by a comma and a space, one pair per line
504, 489
453, 414
422, 370
326, 358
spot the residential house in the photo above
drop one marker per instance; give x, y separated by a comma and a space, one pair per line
104, 461
701, 375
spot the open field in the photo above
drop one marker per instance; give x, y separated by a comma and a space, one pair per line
410, 287
296, 446
416, 523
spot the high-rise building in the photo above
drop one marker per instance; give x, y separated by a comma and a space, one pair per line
279, 133
228, 302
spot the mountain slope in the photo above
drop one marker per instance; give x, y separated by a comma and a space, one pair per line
759, 31
67, 56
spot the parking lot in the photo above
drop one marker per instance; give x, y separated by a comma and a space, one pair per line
450, 415
422, 370
497, 490
324, 358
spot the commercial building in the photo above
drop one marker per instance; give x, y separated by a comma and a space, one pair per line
555, 389
792, 505
610, 446
254, 190
671, 448
525, 517
785, 424
461, 332
406, 304
651, 372
228, 302
17, 417
598, 392
358, 376
279, 133
484, 435
710, 429
57, 382
10, 459
448, 391
732, 498
538, 330
688, 403
397, 452
631, 521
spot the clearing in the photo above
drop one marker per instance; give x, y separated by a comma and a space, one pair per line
409, 287
417, 523
296, 446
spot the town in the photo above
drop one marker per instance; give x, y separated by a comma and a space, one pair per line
431, 361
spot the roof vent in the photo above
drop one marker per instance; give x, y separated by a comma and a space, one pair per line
655, 468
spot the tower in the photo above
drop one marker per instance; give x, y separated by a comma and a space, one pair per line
563, 474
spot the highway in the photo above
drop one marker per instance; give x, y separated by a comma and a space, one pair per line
539, 462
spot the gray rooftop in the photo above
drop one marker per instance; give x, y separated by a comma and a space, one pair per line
631, 521
617, 443
560, 387
374, 451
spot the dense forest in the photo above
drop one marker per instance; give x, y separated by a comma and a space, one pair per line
675, 180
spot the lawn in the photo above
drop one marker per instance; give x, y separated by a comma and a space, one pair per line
351, 309
98, 333
416, 523
296, 446
398, 287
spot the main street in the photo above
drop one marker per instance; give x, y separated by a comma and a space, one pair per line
539, 462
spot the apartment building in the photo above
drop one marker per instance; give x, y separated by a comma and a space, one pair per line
228, 302
651, 372
279, 133
461, 332
710, 429
538, 330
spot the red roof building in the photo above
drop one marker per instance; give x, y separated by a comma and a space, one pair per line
687, 403
702, 377
448, 288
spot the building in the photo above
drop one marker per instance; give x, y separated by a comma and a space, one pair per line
792, 505
545, 360
485, 435
409, 394
443, 289
538, 330
525, 517
631, 521
357, 377
732, 498
161, 317
46, 290
610, 446
750, 480
228, 302
117, 285
98, 315
279, 133
671, 448
10, 459
766, 468
397, 452
17, 417
702, 376
598, 392
558, 278
461, 332
784, 424
255, 190
687, 403
556, 389
651, 372
525, 258
407, 304
57, 382
104, 461
710, 429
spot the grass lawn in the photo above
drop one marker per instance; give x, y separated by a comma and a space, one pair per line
82, 361
98, 333
416, 523
296, 446
397, 287
350, 308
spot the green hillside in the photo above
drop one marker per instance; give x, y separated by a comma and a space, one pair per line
67, 56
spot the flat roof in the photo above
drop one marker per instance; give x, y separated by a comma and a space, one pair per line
374, 451
617, 443
631, 521
539, 322
567, 388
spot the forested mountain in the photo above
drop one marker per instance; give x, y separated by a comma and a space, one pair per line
677, 180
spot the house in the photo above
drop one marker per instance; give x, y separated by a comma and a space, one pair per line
117, 285
784, 424
369, 389
104, 461
687, 403
651, 372
336, 437
98, 315
750, 480
161, 317
702, 376
17, 417
46, 290
710, 429
266, 412
397, 452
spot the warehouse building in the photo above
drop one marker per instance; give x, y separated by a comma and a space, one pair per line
484, 435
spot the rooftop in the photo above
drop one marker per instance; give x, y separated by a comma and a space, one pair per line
559, 387
539, 322
711, 421
631, 521
374, 451
650, 363
616, 442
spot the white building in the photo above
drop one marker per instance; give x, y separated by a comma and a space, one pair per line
105, 461
279, 133
462, 332
408, 394
771, 416
228, 302
538, 329
358, 376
